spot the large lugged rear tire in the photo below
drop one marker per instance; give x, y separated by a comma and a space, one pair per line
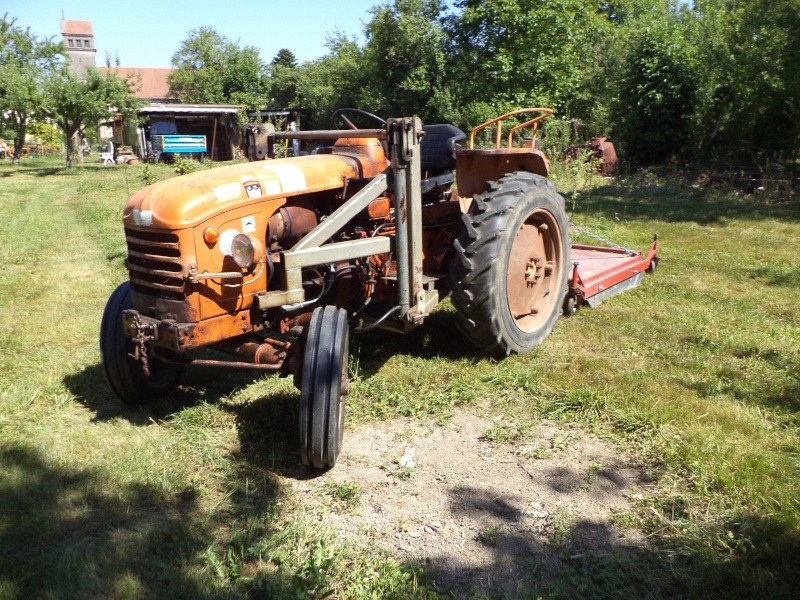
124, 374
513, 257
324, 384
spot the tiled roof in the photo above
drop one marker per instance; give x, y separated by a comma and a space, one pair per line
76, 27
152, 81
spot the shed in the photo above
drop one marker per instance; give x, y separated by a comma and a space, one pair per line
218, 122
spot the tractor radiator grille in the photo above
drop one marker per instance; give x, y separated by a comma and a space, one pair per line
154, 264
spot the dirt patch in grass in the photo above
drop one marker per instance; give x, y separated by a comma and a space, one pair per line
481, 512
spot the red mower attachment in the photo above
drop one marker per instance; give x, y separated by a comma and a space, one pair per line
599, 272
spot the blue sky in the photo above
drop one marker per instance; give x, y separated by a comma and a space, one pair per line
146, 33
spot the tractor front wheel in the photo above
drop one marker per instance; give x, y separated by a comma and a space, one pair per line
511, 274
324, 384
124, 374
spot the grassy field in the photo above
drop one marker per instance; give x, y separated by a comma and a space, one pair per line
696, 373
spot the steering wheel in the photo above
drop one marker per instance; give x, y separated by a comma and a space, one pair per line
341, 113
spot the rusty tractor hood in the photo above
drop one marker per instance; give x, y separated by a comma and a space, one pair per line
189, 200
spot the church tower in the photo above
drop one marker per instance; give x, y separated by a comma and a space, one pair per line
79, 41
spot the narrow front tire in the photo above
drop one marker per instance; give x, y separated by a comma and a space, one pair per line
324, 384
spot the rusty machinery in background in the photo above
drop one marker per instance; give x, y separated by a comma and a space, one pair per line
275, 262
598, 149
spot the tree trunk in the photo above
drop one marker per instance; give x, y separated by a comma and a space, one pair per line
19, 142
70, 151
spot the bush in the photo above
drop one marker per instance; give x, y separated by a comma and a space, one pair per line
657, 95
182, 165
147, 176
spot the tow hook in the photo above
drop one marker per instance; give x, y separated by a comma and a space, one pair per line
143, 333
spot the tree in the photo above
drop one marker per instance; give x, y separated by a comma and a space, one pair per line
319, 87
524, 52
405, 59
75, 103
750, 81
210, 69
401, 70
285, 58
283, 73
657, 87
25, 62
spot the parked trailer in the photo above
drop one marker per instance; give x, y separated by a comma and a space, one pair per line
178, 144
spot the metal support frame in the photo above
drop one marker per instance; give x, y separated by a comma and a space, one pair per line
414, 301
404, 140
339, 218
312, 250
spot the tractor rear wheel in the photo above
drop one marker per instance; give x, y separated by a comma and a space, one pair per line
511, 274
324, 384
124, 374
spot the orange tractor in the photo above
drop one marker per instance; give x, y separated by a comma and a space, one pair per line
273, 262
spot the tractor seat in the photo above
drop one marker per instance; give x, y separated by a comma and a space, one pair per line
438, 147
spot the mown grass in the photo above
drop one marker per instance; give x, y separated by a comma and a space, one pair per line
696, 373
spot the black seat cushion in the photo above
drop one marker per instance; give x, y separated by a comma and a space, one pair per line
438, 147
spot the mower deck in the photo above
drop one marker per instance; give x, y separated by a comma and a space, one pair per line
599, 273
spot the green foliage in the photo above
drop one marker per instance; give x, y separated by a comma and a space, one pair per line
405, 56
74, 103
209, 68
284, 85
320, 87
25, 63
401, 70
285, 58
283, 79
183, 166
657, 91
344, 494
750, 85
147, 176
558, 135
523, 53
490, 536
660, 77
45, 133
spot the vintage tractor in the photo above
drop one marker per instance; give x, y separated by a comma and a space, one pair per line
274, 262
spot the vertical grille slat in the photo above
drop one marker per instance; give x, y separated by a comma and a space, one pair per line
154, 263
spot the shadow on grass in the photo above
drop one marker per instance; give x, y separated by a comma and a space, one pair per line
91, 389
268, 427
39, 171
48, 169
66, 535
744, 379
675, 203
777, 275
437, 337
73, 536
139, 542
269, 437
586, 559
753, 557
782, 398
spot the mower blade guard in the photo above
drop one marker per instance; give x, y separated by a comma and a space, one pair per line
599, 273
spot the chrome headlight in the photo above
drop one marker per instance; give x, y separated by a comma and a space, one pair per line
246, 251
